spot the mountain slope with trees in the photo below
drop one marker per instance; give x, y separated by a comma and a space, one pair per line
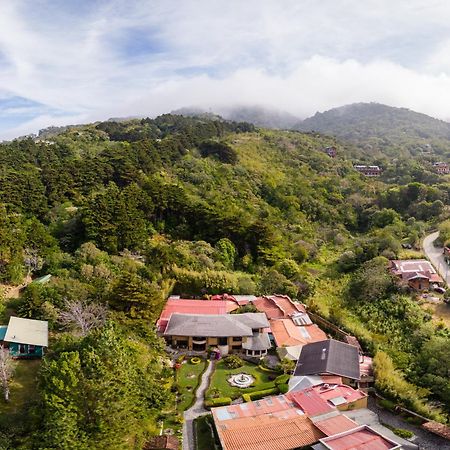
124, 213
383, 130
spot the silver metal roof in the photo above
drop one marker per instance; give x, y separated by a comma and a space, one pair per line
27, 331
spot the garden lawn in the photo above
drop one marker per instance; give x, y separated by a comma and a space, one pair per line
222, 373
188, 378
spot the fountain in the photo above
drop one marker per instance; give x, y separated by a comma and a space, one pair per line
241, 380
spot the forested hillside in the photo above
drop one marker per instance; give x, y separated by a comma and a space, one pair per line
382, 130
122, 214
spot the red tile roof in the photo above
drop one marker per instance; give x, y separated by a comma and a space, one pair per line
335, 425
277, 306
182, 306
267, 432
287, 334
310, 402
361, 438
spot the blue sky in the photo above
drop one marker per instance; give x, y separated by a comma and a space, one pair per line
67, 61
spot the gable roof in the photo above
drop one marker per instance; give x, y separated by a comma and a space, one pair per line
286, 333
271, 423
335, 424
215, 325
310, 402
330, 356
182, 306
27, 331
278, 306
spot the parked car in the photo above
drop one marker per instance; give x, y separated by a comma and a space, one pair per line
439, 290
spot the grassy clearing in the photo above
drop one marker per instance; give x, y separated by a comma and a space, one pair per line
187, 379
222, 373
23, 387
440, 312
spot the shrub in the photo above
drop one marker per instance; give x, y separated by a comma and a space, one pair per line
405, 434
215, 402
387, 404
283, 388
282, 379
180, 359
233, 362
259, 394
260, 387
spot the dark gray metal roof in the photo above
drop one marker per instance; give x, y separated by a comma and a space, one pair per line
330, 356
259, 341
223, 325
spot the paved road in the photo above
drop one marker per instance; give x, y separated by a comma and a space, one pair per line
435, 255
196, 410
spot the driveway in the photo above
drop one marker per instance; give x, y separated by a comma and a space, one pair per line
436, 256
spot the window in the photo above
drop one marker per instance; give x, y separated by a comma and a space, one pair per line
223, 341
31, 349
237, 339
22, 348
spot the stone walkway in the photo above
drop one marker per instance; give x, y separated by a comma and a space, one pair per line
196, 410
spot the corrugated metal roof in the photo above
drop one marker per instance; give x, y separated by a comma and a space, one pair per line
27, 331
335, 425
310, 402
361, 438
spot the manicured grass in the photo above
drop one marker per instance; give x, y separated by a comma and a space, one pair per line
187, 379
204, 434
222, 373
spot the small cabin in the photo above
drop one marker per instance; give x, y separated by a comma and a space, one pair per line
25, 338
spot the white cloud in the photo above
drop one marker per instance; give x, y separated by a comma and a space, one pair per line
298, 55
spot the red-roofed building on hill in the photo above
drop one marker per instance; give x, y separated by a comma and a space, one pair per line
419, 274
184, 306
278, 306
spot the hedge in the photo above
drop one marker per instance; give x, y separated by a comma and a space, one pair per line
259, 394
283, 388
282, 379
215, 402
260, 387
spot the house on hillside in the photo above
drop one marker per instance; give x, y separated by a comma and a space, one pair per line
368, 171
330, 151
228, 332
441, 168
25, 338
329, 357
290, 325
419, 274
185, 306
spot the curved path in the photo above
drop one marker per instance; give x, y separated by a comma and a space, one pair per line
196, 410
436, 256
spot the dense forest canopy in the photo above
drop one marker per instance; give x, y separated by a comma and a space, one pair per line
122, 214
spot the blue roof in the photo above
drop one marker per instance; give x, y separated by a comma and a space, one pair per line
3, 329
